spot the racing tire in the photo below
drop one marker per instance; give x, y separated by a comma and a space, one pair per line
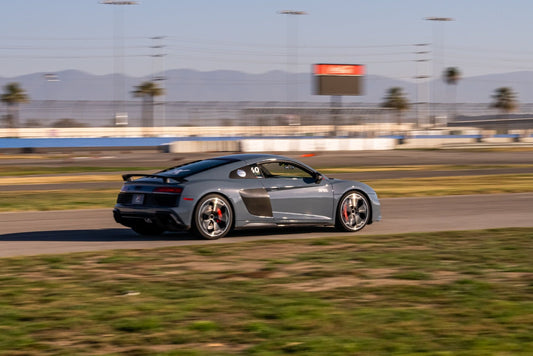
213, 217
353, 212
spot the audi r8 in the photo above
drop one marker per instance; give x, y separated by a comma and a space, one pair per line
213, 196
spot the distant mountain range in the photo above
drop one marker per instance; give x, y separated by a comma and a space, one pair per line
224, 85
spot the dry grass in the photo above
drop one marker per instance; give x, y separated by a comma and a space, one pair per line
460, 293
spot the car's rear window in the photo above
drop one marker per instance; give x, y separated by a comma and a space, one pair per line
189, 169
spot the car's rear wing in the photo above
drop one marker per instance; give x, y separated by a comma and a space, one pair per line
165, 179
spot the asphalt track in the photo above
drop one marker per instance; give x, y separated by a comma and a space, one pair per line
153, 161
320, 159
51, 232
33, 233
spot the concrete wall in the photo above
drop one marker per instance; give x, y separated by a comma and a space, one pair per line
252, 138
283, 145
203, 146
314, 145
202, 131
435, 142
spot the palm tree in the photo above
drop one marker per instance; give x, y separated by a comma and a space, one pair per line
12, 97
451, 76
504, 100
147, 91
395, 99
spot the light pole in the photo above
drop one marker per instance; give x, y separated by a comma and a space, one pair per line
49, 77
437, 69
119, 80
294, 45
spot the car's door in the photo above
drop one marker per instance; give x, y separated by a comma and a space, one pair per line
254, 203
296, 193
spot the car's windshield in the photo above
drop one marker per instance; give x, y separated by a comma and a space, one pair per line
188, 169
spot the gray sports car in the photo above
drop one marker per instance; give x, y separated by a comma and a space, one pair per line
213, 196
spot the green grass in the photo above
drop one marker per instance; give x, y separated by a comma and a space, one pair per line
446, 293
7, 170
404, 187
11, 171
57, 199
455, 185
425, 167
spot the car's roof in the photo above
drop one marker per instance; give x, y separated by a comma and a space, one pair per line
253, 157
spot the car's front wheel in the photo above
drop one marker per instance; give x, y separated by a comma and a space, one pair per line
213, 217
353, 212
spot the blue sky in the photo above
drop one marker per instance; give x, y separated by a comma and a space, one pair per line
250, 35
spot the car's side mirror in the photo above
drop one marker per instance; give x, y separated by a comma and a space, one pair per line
318, 178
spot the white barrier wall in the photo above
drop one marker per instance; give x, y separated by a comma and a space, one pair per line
312, 145
283, 145
203, 146
435, 142
223, 131
200, 131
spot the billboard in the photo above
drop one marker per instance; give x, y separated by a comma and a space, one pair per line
338, 79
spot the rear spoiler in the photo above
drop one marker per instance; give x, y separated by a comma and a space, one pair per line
166, 179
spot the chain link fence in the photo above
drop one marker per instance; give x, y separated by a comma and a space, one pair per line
56, 113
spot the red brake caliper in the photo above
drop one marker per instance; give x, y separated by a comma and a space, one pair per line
219, 212
345, 212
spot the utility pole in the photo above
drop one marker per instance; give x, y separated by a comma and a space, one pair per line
422, 77
157, 53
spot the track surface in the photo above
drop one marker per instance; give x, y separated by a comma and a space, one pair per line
323, 159
32, 233
152, 161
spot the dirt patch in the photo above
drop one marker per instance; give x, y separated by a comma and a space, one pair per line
378, 277
279, 250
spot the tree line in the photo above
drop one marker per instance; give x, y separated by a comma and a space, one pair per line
14, 95
504, 99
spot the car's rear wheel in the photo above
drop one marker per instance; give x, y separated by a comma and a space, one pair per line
213, 217
353, 212
147, 229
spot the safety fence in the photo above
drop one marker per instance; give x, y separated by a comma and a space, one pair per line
82, 113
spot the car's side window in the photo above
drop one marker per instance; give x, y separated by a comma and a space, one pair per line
284, 170
247, 172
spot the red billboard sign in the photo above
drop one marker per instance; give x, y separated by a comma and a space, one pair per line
339, 69
338, 79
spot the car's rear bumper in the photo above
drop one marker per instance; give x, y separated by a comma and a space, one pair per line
164, 218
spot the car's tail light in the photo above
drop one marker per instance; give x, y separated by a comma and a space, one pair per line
171, 190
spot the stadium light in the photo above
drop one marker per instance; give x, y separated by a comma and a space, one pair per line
291, 13
438, 68
119, 84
